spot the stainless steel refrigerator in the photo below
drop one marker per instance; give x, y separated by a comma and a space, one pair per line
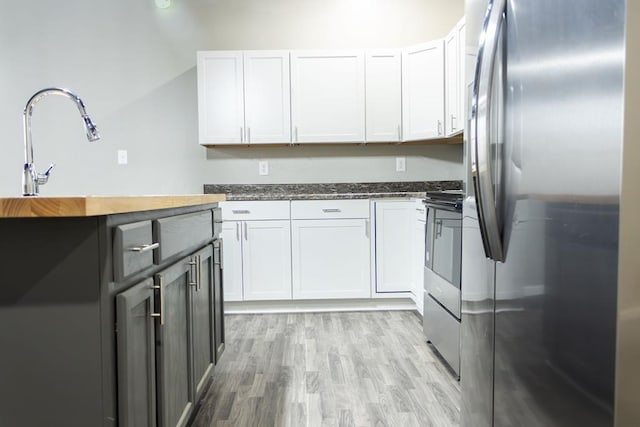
541, 220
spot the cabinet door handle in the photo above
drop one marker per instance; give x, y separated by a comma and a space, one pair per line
367, 228
221, 255
439, 128
241, 211
453, 125
238, 231
246, 232
249, 135
199, 272
399, 133
193, 263
160, 287
295, 133
241, 134
331, 210
144, 248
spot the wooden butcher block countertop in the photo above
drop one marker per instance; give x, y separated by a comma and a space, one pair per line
83, 206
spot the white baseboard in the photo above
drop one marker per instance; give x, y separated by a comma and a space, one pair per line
311, 306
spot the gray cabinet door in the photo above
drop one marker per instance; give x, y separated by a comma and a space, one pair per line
174, 345
218, 299
136, 356
203, 323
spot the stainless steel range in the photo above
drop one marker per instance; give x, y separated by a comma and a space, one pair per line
442, 266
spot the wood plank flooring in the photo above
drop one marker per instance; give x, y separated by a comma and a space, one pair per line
329, 369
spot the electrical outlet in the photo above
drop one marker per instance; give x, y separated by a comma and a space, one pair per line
122, 157
401, 164
263, 167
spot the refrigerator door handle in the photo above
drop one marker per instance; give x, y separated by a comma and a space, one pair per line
480, 137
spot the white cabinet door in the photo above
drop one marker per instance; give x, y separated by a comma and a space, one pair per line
327, 96
231, 260
267, 260
423, 91
419, 229
452, 81
394, 246
220, 98
267, 97
462, 65
331, 259
383, 95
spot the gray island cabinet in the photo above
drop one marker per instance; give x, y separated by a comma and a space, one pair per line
109, 319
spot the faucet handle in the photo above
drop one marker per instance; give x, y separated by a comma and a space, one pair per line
44, 177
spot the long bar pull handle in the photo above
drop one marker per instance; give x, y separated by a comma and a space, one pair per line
481, 168
238, 231
144, 248
399, 133
331, 210
199, 272
295, 133
160, 287
221, 255
367, 228
241, 134
193, 277
439, 127
249, 135
246, 232
241, 211
453, 122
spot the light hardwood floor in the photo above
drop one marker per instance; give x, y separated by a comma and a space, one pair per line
329, 369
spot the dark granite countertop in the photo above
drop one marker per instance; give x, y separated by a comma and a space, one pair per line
367, 190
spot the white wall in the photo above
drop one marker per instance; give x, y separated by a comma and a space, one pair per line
134, 66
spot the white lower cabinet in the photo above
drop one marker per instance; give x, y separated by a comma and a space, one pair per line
257, 250
394, 246
331, 259
257, 260
266, 260
330, 249
419, 230
232, 260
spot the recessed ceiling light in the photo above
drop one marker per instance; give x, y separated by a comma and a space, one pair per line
163, 4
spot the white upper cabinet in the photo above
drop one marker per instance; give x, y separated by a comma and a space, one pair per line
384, 95
327, 96
267, 101
423, 91
462, 67
454, 79
243, 97
220, 98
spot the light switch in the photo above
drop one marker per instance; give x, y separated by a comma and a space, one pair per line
263, 167
401, 164
122, 157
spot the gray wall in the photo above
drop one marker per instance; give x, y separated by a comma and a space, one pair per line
134, 66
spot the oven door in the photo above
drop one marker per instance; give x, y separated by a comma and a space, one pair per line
443, 254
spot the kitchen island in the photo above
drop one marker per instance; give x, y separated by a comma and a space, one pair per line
111, 309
